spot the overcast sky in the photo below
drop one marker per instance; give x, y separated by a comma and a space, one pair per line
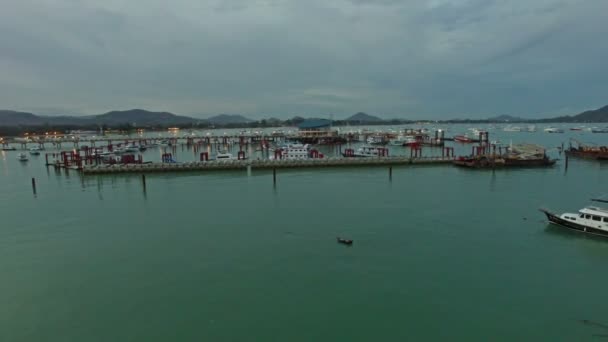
261, 58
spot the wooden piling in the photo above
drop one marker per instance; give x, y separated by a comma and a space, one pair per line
390, 173
143, 181
274, 176
566, 167
34, 185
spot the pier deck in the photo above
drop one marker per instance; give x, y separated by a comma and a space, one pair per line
262, 164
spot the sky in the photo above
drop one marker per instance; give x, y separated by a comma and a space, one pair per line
413, 59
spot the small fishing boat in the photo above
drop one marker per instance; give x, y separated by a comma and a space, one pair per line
9, 148
22, 157
590, 220
344, 241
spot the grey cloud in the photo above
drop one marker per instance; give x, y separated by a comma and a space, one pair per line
441, 58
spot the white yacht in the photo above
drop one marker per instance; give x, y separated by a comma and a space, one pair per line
22, 157
591, 219
293, 151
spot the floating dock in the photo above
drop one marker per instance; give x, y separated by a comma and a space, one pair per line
263, 164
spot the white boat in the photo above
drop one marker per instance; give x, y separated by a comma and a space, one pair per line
531, 129
512, 129
553, 130
22, 157
368, 151
35, 151
599, 130
224, 156
293, 151
9, 148
404, 140
591, 219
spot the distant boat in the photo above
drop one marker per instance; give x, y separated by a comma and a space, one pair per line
22, 157
599, 130
464, 139
512, 129
553, 130
9, 148
35, 151
576, 128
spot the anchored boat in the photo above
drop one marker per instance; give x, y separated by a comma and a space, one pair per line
591, 219
523, 155
586, 151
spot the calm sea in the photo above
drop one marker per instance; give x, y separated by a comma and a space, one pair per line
439, 253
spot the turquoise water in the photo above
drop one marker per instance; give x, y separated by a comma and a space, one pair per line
440, 253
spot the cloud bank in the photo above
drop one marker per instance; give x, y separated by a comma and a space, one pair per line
408, 59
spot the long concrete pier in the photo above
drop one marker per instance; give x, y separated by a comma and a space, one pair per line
262, 164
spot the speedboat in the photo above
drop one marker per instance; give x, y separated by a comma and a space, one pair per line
591, 219
35, 151
22, 157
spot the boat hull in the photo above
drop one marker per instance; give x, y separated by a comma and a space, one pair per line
490, 163
588, 155
556, 220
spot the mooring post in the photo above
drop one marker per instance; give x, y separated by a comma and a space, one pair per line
390, 173
34, 185
274, 176
143, 181
566, 162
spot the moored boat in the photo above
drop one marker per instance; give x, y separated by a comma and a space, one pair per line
366, 152
586, 151
464, 139
517, 156
22, 157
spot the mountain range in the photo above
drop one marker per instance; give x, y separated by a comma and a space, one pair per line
144, 118
134, 117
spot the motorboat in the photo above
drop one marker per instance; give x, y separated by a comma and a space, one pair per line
35, 151
9, 148
224, 156
22, 157
599, 130
366, 152
553, 130
344, 241
512, 129
464, 139
591, 219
